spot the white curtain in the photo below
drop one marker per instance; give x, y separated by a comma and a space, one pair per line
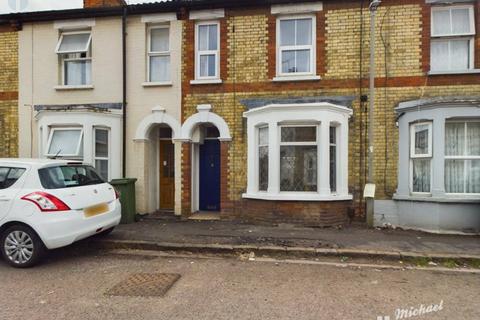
454, 176
462, 175
421, 175
473, 149
454, 139
459, 54
159, 68
473, 138
78, 72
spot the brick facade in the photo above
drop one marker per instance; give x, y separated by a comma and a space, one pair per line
248, 45
102, 3
9, 93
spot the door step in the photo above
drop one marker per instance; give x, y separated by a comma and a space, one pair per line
161, 215
205, 215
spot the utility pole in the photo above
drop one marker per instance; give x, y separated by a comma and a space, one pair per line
369, 191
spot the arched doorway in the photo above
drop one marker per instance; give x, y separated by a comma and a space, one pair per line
158, 162
208, 169
204, 170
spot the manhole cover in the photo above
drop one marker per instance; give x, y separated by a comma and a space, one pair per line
145, 285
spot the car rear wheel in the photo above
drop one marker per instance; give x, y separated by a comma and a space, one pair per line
21, 247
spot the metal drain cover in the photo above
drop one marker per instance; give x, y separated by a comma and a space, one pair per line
145, 285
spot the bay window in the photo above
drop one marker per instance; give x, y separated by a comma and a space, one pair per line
298, 152
462, 157
158, 54
207, 50
74, 51
453, 38
439, 150
71, 143
421, 154
296, 45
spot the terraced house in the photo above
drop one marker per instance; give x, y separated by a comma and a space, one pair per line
257, 110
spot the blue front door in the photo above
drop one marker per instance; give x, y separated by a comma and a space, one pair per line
210, 176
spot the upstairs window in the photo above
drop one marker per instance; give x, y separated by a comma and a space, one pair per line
74, 51
453, 35
159, 54
421, 156
296, 45
207, 48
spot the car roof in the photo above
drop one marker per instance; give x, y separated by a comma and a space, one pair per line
34, 162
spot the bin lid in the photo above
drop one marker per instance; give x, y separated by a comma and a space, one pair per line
123, 181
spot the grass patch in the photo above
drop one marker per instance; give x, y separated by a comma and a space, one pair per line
450, 263
474, 263
420, 261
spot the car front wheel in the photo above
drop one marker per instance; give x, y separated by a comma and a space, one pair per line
21, 247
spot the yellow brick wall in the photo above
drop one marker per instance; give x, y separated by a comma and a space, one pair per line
398, 27
247, 49
8, 92
8, 61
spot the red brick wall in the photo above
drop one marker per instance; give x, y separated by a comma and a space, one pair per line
315, 214
102, 3
186, 164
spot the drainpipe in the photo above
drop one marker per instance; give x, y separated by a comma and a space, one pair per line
124, 91
369, 192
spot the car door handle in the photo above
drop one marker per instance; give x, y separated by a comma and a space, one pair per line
5, 199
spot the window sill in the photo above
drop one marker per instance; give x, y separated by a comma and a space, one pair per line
81, 87
157, 84
206, 81
296, 78
296, 197
440, 73
444, 199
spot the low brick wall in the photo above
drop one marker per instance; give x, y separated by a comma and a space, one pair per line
303, 213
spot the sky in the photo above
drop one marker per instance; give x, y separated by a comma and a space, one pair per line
8, 6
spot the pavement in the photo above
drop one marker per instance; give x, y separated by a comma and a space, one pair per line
168, 233
73, 283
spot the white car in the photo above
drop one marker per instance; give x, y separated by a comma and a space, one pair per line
47, 204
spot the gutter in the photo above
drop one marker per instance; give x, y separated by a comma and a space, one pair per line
146, 8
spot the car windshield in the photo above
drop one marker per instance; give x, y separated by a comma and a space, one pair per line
68, 176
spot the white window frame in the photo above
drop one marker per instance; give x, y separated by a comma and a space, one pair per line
199, 53
414, 156
151, 53
337, 155
60, 40
315, 143
470, 36
464, 157
257, 157
312, 47
412, 139
79, 143
94, 153
62, 55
